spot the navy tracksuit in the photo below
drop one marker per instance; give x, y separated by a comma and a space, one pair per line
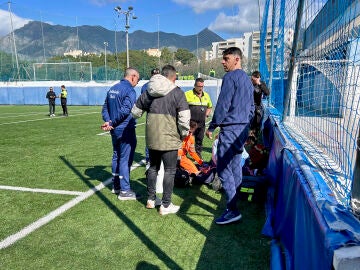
233, 113
117, 111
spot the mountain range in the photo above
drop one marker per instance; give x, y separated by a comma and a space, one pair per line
37, 40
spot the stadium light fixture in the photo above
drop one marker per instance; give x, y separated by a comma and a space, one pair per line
128, 15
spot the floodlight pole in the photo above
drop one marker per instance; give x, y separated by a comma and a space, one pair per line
127, 14
13, 39
105, 45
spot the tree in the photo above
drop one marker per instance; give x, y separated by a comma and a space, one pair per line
167, 56
184, 56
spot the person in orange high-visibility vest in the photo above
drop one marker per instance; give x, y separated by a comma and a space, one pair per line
188, 147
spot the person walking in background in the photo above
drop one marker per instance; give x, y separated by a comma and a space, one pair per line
116, 112
63, 100
212, 72
260, 90
167, 124
200, 107
233, 113
154, 71
51, 96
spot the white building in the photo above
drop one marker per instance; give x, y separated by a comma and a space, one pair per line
219, 47
153, 52
249, 44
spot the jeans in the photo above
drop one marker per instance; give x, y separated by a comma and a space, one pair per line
51, 108
169, 159
123, 156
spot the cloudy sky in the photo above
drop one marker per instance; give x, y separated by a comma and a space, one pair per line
227, 18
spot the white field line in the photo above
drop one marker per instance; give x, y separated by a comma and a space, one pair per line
41, 190
103, 133
14, 115
43, 119
8, 241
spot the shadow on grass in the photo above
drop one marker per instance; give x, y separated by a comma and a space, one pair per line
236, 246
171, 264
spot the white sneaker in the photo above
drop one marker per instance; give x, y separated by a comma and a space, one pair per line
171, 209
150, 204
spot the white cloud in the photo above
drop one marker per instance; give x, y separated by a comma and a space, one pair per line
246, 20
244, 15
5, 26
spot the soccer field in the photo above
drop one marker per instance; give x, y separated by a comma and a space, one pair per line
58, 211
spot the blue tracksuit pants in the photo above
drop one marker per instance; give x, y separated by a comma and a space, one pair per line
123, 156
229, 151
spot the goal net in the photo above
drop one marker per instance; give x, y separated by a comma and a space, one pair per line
67, 71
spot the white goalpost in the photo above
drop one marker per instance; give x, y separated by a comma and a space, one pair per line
66, 71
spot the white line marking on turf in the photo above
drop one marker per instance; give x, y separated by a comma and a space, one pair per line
103, 133
40, 190
8, 241
42, 119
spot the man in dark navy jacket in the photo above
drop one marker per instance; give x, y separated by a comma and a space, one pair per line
116, 113
233, 113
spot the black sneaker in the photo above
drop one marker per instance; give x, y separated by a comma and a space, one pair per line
228, 217
127, 195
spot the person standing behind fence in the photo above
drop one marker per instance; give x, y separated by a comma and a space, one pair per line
63, 100
260, 90
200, 107
167, 124
233, 113
51, 96
116, 113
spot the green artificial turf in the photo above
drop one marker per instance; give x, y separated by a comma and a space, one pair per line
101, 232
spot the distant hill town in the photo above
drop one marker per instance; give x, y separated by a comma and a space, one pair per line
37, 40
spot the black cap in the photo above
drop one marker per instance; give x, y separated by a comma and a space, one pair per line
155, 71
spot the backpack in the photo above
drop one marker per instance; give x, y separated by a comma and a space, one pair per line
182, 178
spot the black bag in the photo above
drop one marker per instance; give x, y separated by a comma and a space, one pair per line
253, 188
182, 178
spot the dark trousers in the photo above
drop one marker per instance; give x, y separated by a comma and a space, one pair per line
199, 137
64, 106
169, 158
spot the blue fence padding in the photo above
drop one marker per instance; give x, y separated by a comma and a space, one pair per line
276, 261
77, 95
302, 214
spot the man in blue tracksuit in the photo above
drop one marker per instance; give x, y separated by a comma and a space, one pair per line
233, 113
116, 113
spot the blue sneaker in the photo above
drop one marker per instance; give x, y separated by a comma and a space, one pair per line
228, 217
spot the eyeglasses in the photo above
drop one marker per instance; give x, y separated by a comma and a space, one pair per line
199, 86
